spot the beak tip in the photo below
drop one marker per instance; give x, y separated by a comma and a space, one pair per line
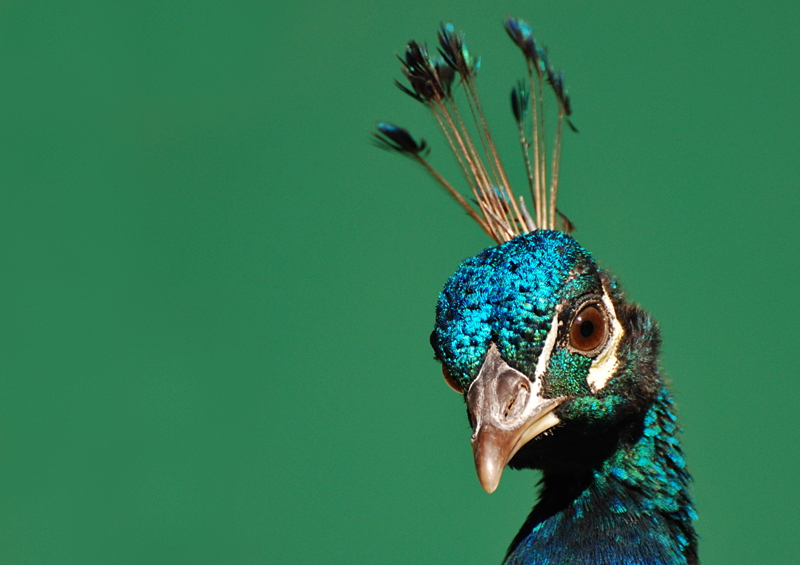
490, 487
489, 469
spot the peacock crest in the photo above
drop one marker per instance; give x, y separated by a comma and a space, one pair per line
435, 79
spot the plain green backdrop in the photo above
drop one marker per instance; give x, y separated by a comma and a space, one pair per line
216, 296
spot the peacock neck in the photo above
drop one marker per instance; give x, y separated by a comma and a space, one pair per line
633, 507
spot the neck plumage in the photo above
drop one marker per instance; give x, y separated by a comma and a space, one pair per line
634, 507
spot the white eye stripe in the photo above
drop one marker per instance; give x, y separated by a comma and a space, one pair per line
549, 344
605, 364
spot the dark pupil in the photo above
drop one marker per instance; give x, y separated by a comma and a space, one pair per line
587, 328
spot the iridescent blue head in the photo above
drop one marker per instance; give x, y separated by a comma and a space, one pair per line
532, 333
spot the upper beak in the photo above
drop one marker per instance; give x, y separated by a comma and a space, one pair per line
508, 411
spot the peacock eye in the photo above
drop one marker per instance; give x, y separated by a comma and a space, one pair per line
589, 331
451, 382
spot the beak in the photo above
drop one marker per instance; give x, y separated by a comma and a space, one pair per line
508, 410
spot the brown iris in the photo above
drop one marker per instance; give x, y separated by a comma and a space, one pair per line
451, 382
589, 331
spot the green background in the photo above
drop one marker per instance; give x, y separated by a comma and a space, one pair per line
216, 296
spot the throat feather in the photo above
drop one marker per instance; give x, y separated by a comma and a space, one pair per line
634, 507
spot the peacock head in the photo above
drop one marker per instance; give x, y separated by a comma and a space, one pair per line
541, 344
538, 340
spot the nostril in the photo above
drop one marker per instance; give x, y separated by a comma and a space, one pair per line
522, 389
509, 406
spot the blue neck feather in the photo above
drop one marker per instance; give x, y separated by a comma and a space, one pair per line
633, 508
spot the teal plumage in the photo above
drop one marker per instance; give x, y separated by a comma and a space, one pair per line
558, 370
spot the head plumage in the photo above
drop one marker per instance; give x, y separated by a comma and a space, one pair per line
431, 81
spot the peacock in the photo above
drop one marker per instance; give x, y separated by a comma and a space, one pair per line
559, 371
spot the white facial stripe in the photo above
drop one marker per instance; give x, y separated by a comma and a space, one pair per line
547, 348
604, 366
